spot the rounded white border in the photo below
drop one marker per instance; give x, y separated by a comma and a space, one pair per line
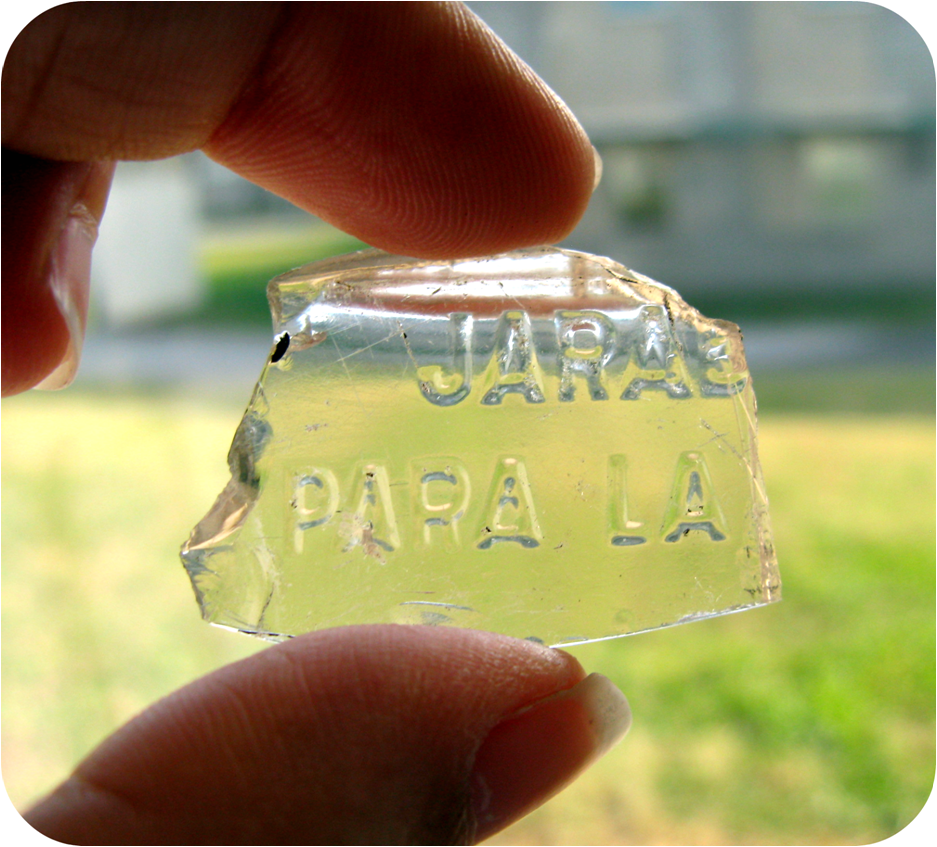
920, 14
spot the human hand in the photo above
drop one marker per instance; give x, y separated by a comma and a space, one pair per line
410, 126
413, 128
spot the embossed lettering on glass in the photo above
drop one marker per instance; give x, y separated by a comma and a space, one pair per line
543, 444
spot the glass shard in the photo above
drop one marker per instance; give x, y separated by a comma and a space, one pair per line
543, 444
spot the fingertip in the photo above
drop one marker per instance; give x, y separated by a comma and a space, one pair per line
51, 212
25, 301
414, 128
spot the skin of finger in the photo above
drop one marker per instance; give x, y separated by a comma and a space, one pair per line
34, 334
409, 125
37, 198
354, 735
129, 80
430, 137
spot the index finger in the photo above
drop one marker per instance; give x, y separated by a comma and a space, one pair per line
409, 125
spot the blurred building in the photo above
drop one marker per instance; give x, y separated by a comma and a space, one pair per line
748, 147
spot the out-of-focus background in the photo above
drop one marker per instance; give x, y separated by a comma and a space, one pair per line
774, 162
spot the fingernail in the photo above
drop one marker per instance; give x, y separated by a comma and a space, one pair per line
68, 278
533, 754
598, 169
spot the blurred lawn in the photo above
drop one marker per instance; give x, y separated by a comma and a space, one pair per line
811, 721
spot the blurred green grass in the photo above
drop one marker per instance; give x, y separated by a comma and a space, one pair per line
811, 721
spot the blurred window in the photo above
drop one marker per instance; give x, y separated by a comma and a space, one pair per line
635, 178
820, 182
840, 178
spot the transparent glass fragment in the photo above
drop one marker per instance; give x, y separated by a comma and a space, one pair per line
543, 444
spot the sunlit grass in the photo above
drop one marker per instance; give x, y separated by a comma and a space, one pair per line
98, 617
808, 721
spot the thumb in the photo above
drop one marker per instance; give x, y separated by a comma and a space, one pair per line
377, 734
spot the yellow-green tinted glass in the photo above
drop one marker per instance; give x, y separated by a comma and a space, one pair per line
543, 444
